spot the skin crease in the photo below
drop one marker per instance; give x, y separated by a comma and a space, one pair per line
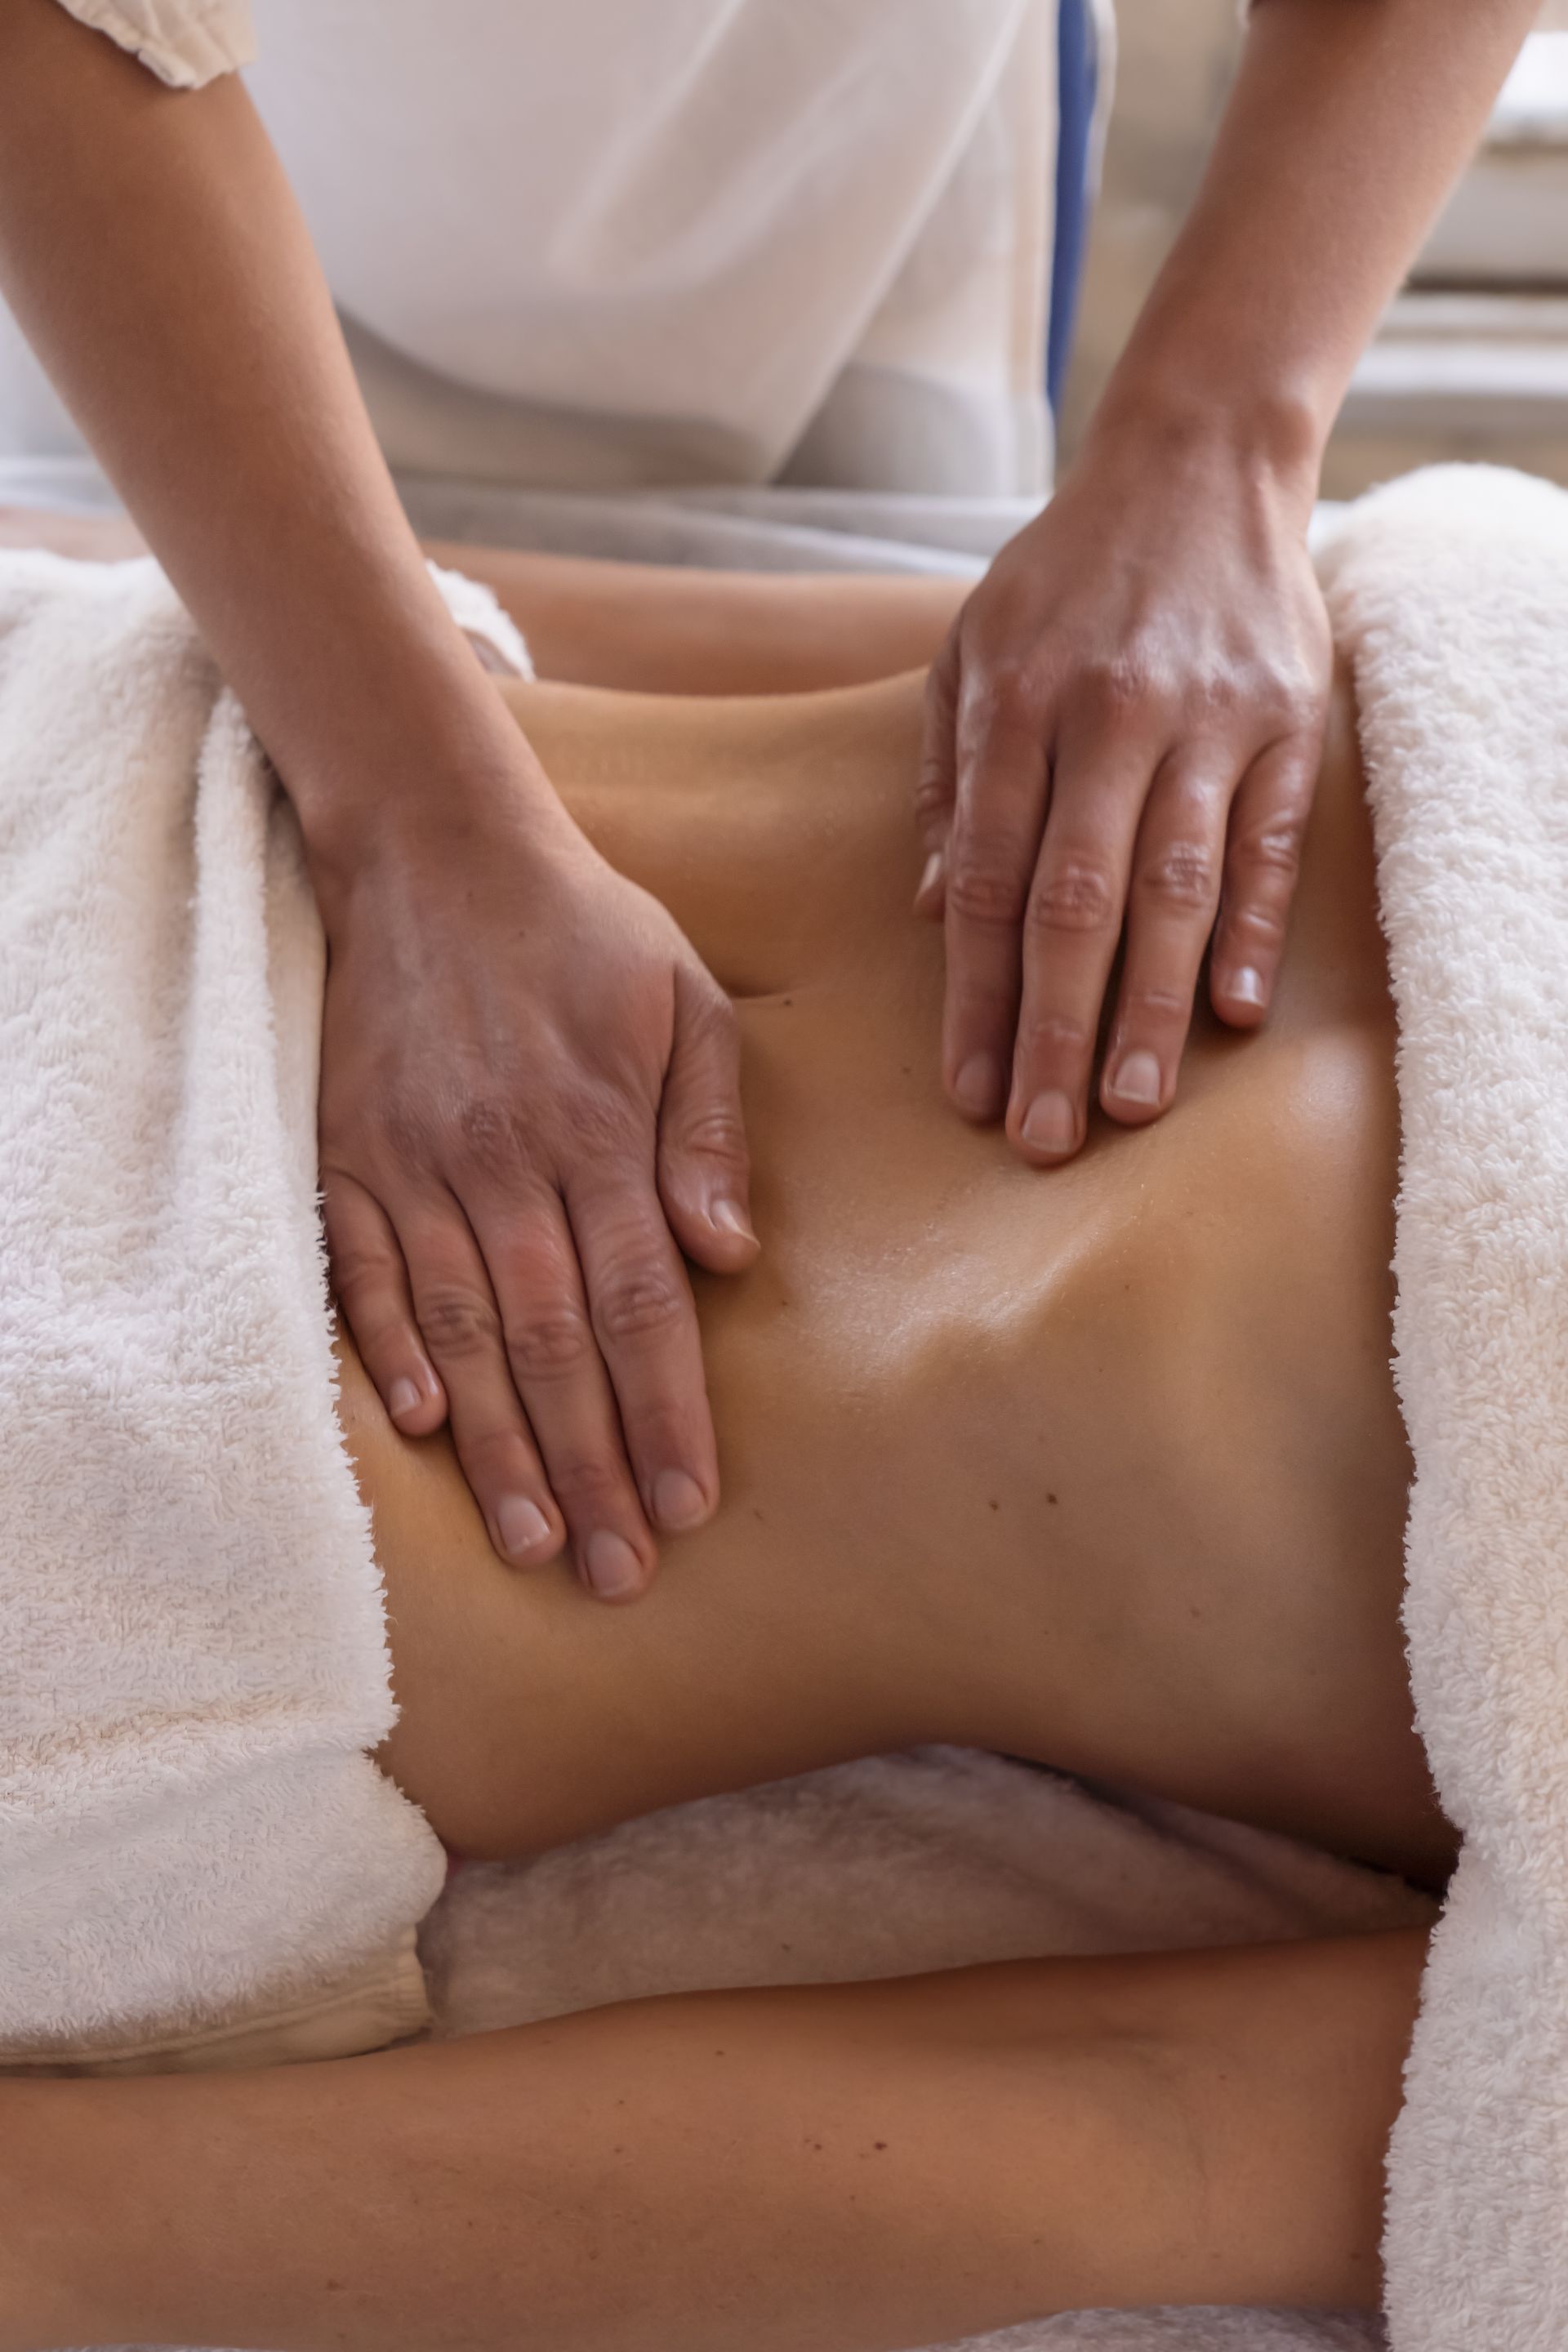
1106, 1471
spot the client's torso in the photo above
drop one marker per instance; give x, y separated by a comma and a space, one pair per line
1137, 1410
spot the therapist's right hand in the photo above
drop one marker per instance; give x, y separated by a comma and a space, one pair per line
529, 1096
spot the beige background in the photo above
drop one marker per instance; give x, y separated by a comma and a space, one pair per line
1175, 61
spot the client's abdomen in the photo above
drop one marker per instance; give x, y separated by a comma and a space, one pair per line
1223, 1353
1100, 1467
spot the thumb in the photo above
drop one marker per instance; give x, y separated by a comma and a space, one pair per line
704, 1169
938, 788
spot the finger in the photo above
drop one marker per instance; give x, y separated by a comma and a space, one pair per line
1170, 909
646, 1325
704, 1172
457, 1316
1263, 860
370, 1282
938, 786
1002, 787
1071, 928
557, 1369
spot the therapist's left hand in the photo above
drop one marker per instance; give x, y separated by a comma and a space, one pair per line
1122, 743
530, 1105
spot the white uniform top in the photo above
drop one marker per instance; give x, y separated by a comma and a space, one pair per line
634, 242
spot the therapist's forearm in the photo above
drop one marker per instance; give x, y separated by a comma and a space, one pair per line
154, 256
1348, 123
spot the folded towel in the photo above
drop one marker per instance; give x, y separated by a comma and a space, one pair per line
1450, 592
194, 1840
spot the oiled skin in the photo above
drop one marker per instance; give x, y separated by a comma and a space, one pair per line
1102, 1467
1184, 1341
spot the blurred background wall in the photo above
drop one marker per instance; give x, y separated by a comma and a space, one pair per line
1472, 358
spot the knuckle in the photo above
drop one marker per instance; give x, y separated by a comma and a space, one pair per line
491, 1453
722, 1016
1109, 691
602, 1125
1279, 695
1260, 920
1149, 1004
1074, 893
1183, 875
710, 1009
549, 1345
983, 888
1295, 693
491, 1136
1002, 710
499, 1136
941, 679
659, 1433
383, 1336
1214, 694
457, 1323
1241, 688
1272, 851
1053, 1037
360, 1269
982, 1016
715, 1135
1009, 686
408, 1129
934, 790
640, 1303
587, 1484
714, 1024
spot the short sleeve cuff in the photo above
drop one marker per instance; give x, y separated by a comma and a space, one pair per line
185, 43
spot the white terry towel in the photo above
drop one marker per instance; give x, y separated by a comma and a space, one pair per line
193, 1841
1450, 592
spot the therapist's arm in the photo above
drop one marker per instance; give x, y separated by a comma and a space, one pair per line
529, 1081
1125, 724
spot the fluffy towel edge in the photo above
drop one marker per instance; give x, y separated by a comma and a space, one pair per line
379, 1996
385, 2000
1449, 592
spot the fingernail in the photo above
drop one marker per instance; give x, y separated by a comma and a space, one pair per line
1247, 986
677, 1500
405, 1398
1136, 1080
978, 1084
1049, 1124
931, 875
611, 1565
731, 1218
522, 1523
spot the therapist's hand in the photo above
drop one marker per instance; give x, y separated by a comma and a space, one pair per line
529, 1096
1121, 743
